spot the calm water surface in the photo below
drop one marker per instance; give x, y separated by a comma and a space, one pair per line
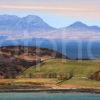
48, 96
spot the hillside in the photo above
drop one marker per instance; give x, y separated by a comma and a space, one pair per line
79, 68
61, 70
15, 59
32, 67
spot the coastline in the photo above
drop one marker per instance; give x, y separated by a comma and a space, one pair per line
44, 85
70, 90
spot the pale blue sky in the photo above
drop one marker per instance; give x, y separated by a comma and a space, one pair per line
57, 13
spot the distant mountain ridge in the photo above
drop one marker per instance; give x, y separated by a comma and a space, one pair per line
28, 23
34, 21
13, 28
80, 25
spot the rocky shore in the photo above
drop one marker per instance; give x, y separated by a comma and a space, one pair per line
51, 90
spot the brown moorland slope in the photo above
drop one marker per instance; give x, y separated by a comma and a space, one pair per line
15, 59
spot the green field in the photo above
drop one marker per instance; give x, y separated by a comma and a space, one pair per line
81, 71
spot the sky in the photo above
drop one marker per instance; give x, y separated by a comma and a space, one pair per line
57, 13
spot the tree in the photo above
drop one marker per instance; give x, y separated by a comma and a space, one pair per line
95, 76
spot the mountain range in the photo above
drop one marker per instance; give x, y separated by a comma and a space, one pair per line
13, 28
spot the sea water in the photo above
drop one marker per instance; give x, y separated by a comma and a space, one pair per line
49, 96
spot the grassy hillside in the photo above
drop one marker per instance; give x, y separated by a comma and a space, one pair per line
79, 68
81, 71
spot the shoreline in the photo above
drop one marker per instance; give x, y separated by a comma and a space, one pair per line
79, 90
49, 86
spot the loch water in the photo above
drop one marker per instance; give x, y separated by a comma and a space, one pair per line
49, 96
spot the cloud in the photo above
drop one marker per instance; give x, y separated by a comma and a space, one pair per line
76, 11
46, 8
